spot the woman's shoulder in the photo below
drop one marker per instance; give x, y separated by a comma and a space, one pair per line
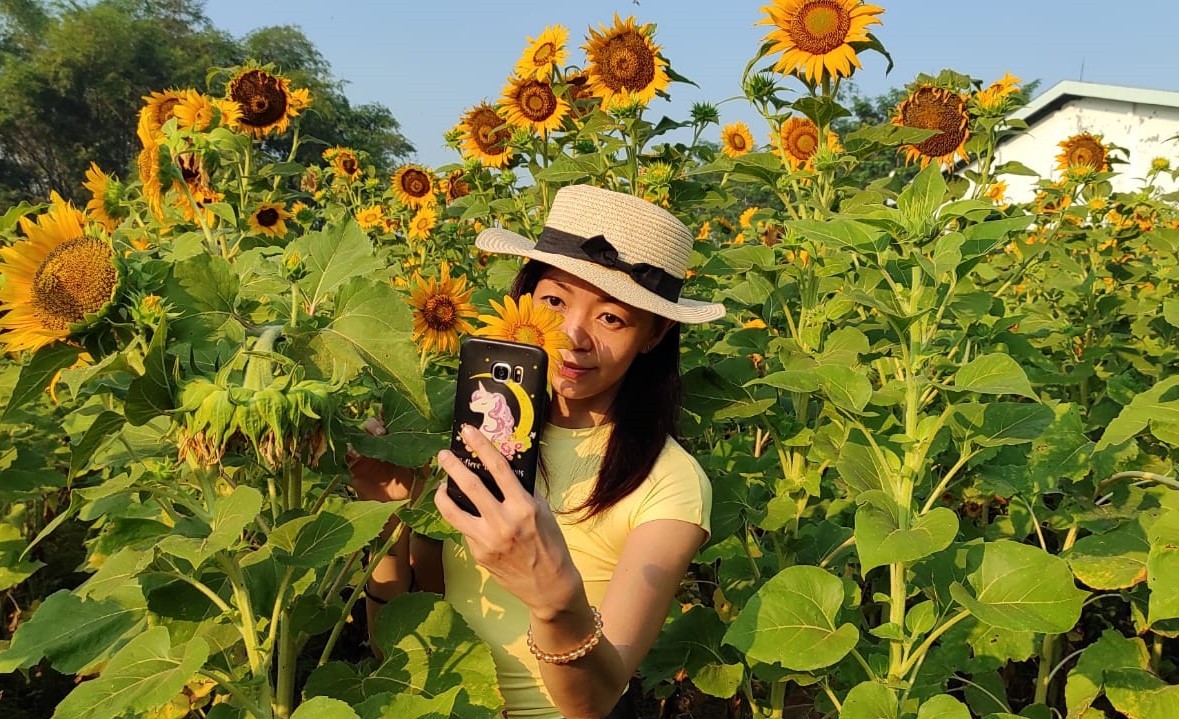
677, 465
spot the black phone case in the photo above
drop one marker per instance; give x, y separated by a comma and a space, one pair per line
510, 411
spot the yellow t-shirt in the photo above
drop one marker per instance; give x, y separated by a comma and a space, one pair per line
677, 488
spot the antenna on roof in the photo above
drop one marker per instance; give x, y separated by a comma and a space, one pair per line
1082, 75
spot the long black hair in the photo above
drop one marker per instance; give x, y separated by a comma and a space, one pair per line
645, 411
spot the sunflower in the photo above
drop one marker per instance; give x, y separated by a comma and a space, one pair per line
736, 140
266, 101
1083, 150
746, 218
344, 162
103, 206
529, 323
815, 36
159, 107
56, 281
422, 224
997, 192
994, 98
577, 92
532, 104
270, 219
935, 108
441, 309
370, 217
456, 186
152, 169
194, 111
624, 62
414, 187
798, 139
486, 135
544, 54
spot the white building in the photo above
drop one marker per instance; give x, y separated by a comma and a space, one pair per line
1144, 122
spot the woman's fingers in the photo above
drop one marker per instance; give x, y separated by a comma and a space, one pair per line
466, 480
495, 463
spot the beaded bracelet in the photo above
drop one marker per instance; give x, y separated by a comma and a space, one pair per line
572, 655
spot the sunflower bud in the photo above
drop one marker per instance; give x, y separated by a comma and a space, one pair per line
149, 310
705, 113
760, 88
293, 266
1160, 164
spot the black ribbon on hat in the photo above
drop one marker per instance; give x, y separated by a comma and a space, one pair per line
597, 249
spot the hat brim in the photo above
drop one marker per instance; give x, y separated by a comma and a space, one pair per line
615, 283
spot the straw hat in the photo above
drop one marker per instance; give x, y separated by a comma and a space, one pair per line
634, 251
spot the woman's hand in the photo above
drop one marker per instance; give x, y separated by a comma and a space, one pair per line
518, 540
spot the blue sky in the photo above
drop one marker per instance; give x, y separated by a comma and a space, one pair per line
429, 60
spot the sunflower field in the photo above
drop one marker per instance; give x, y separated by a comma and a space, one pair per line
941, 424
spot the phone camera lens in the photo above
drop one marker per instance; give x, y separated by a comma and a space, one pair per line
500, 372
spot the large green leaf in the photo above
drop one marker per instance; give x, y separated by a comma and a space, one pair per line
842, 234
993, 374
371, 326
117, 571
232, 513
205, 289
332, 256
388, 705
1062, 451
315, 540
411, 439
1022, 588
75, 634
1138, 694
1086, 679
36, 375
150, 395
325, 708
692, 643
105, 428
146, 673
1114, 560
880, 539
993, 424
983, 238
792, 621
943, 706
429, 651
848, 389
1158, 405
13, 568
869, 700
1162, 567
863, 470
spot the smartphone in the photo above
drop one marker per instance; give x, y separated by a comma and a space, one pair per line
503, 391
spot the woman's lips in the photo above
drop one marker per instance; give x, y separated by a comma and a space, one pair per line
569, 371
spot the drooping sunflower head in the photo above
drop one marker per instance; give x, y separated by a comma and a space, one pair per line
57, 281
265, 100
736, 139
1083, 150
624, 61
371, 216
441, 310
816, 37
155, 166
530, 323
422, 224
159, 107
544, 54
270, 219
455, 185
106, 193
935, 108
746, 218
485, 136
533, 105
414, 186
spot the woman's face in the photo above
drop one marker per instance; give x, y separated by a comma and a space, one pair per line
607, 335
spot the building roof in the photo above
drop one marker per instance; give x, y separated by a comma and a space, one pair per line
1060, 93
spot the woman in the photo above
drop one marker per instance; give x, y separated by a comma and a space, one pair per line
570, 586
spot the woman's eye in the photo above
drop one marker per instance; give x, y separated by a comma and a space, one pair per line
551, 301
611, 319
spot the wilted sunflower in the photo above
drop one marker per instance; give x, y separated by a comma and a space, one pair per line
56, 281
270, 219
266, 101
798, 138
815, 36
370, 217
441, 308
624, 62
344, 162
414, 187
486, 135
935, 108
422, 224
544, 54
103, 206
159, 107
1083, 149
455, 185
736, 139
532, 104
529, 323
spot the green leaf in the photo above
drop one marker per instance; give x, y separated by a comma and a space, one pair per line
1086, 679
150, 395
984, 238
105, 427
943, 706
1162, 567
315, 540
231, 515
74, 634
205, 287
1138, 694
14, 569
146, 673
860, 466
804, 381
35, 376
410, 438
919, 201
388, 705
993, 374
842, 234
1115, 560
117, 571
1022, 588
332, 256
372, 325
869, 700
1001, 423
692, 642
881, 541
846, 387
1157, 405
791, 621
325, 708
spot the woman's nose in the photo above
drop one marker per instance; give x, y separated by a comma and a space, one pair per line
574, 326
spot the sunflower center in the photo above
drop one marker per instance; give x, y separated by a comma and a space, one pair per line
165, 110
261, 96
802, 142
737, 141
627, 63
456, 186
537, 101
544, 54
1086, 151
932, 108
415, 183
267, 217
484, 124
528, 334
439, 313
820, 26
349, 165
75, 279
